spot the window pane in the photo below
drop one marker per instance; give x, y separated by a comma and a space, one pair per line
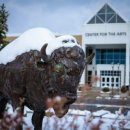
122, 55
116, 56
110, 10
98, 56
109, 51
98, 20
102, 10
110, 56
98, 61
116, 61
92, 20
113, 19
107, 79
103, 79
117, 79
122, 61
109, 61
102, 16
120, 20
109, 16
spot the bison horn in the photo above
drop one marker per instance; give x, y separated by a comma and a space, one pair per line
44, 56
89, 58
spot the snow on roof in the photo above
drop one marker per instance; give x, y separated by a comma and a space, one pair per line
34, 39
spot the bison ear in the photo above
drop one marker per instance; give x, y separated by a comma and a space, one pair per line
89, 58
44, 56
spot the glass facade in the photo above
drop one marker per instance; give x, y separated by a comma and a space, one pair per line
109, 56
106, 15
110, 73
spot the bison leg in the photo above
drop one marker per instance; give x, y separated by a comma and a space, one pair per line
18, 105
3, 102
37, 120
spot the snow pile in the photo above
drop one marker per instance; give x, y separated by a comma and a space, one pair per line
110, 116
100, 113
79, 112
80, 118
34, 39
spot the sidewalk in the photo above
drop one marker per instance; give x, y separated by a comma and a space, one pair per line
92, 100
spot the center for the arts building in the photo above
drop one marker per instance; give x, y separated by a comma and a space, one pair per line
108, 34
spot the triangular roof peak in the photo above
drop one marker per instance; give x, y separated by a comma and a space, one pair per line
106, 14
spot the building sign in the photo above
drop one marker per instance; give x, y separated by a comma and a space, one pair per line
106, 34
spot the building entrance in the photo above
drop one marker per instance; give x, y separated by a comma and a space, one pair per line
110, 79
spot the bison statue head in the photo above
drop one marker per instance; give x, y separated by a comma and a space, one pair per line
66, 65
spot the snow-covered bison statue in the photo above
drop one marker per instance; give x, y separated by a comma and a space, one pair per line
31, 77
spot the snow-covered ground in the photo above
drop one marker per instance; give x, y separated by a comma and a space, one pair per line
82, 120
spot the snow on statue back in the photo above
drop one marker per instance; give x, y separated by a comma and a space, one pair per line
32, 39
38, 79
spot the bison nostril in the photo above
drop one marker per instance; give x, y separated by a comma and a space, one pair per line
51, 92
71, 98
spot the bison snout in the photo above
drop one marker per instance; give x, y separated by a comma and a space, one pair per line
61, 106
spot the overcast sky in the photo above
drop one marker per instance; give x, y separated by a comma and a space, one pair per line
60, 16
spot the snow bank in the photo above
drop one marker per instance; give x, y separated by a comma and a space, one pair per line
100, 113
79, 112
110, 116
34, 39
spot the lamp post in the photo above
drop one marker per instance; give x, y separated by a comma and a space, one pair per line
119, 78
112, 77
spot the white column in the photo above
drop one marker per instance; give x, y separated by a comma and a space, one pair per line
98, 74
82, 80
127, 68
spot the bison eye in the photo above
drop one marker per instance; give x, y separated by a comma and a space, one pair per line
40, 65
59, 68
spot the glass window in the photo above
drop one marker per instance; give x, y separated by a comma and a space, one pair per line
117, 79
115, 73
110, 10
112, 79
122, 55
109, 51
116, 56
107, 79
107, 56
110, 56
103, 79
103, 61
103, 84
109, 16
98, 61
103, 56
112, 85
102, 16
106, 14
98, 56
108, 61
122, 61
116, 61
92, 20
117, 85
120, 20
102, 10
113, 19
98, 20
